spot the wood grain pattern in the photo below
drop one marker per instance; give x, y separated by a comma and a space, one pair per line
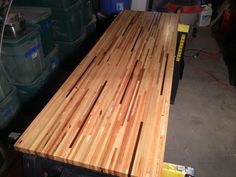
111, 114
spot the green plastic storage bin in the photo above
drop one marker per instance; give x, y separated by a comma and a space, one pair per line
86, 13
17, 3
27, 91
8, 108
42, 17
5, 87
67, 23
66, 49
91, 27
46, 3
22, 57
59, 3
29, 3
52, 60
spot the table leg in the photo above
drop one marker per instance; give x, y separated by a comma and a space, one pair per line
32, 166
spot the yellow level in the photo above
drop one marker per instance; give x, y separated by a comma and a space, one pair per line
183, 28
172, 170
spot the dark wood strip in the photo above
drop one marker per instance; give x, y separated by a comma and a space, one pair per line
153, 19
128, 26
101, 58
57, 141
157, 22
87, 115
162, 55
135, 150
161, 63
164, 77
81, 76
145, 60
140, 77
136, 40
49, 135
131, 76
155, 44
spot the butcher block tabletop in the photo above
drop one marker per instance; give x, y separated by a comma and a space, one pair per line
111, 114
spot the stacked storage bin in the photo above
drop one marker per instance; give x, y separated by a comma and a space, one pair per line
89, 20
40, 18
72, 20
109, 7
68, 30
9, 103
23, 58
80, 23
5, 88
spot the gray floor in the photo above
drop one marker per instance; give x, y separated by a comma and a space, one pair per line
202, 122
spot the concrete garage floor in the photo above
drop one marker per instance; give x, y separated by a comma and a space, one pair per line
202, 122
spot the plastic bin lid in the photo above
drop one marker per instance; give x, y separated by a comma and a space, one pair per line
33, 15
39, 80
67, 9
4, 101
53, 52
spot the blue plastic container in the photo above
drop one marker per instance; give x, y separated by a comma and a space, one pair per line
109, 7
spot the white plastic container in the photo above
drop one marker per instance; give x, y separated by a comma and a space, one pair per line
205, 16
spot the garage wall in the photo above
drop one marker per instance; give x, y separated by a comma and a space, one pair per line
158, 4
141, 5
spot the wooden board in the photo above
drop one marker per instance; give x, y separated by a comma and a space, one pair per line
111, 114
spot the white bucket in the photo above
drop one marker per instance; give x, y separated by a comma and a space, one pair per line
205, 16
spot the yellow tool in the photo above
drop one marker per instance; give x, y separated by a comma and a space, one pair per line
183, 32
183, 28
172, 170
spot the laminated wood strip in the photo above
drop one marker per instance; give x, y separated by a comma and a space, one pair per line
111, 114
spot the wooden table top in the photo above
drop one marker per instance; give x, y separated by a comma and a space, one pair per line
111, 114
